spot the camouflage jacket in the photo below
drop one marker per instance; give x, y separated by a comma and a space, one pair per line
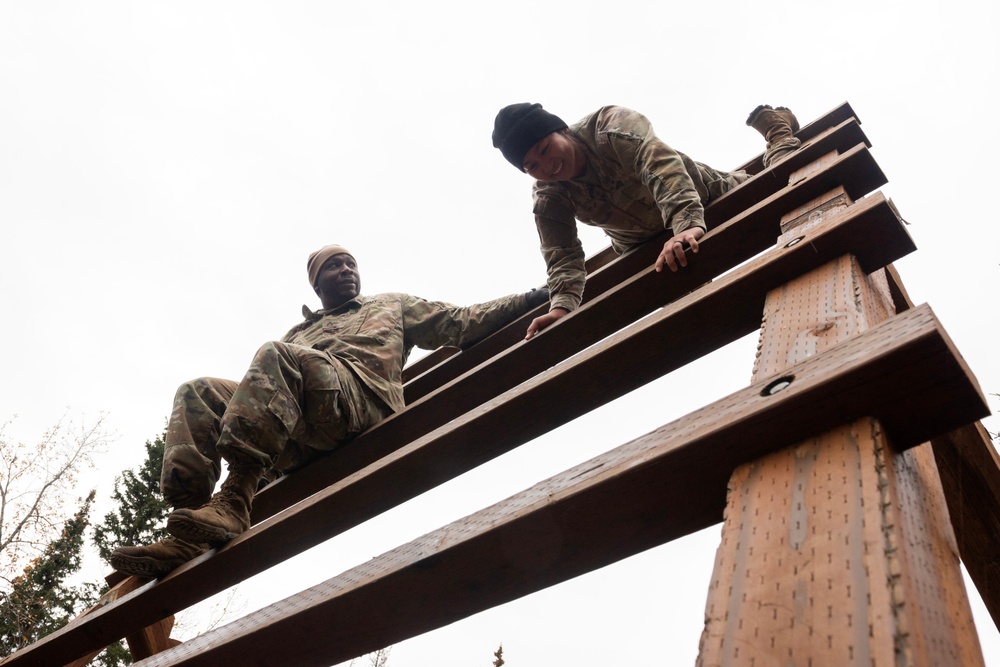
635, 186
374, 335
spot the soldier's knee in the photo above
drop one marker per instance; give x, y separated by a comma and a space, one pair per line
192, 388
188, 477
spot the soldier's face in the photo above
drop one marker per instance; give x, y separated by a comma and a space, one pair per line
556, 157
338, 281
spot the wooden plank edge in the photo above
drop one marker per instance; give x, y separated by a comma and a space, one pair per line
969, 467
574, 523
200, 579
840, 137
758, 225
885, 240
970, 474
836, 115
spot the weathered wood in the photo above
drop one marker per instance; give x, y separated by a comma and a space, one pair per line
970, 474
726, 246
152, 639
837, 549
658, 487
840, 125
604, 272
143, 643
836, 115
721, 311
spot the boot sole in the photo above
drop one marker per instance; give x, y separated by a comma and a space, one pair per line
143, 566
186, 529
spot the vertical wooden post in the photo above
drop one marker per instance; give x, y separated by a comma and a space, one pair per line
837, 551
142, 644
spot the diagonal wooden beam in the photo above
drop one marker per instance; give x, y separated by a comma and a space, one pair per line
970, 474
838, 128
969, 466
724, 247
836, 115
905, 372
770, 186
721, 311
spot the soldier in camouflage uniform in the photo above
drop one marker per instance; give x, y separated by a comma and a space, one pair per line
331, 377
611, 171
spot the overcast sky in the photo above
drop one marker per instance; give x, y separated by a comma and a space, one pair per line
165, 169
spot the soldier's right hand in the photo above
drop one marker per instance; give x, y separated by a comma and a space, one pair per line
543, 321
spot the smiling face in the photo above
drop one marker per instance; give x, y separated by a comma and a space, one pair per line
338, 281
556, 157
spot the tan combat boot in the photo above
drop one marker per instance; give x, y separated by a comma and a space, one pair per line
157, 559
773, 124
778, 126
225, 516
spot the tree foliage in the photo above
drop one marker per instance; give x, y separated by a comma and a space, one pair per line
139, 506
39, 601
36, 483
498, 655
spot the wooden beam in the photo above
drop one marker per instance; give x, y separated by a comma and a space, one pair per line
604, 274
653, 489
724, 247
831, 123
970, 474
721, 311
836, 549
839, 138
603, 316
836, 115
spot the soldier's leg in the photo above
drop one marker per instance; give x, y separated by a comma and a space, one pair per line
712, 183
778, 126
191, 462
191, 466
292, 400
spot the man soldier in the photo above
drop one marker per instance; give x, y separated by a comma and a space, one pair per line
610, 170
331, 377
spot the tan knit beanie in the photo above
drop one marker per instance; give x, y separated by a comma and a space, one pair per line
317, 259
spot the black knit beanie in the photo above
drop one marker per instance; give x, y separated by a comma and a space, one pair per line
518, 127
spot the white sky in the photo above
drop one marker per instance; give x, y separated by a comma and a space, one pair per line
165, 168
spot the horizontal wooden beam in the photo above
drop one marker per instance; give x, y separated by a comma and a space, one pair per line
720, 311
836, 115
829, 123
604, 274
969, 467
839, 138
722, 248
668, 483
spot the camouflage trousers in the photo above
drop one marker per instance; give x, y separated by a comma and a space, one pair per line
779, 148
293, 404
712, 183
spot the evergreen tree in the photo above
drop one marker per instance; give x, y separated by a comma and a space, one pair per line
140, 508
499, 657
39, 601
138, 518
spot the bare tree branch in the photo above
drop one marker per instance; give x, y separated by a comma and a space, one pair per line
36, 482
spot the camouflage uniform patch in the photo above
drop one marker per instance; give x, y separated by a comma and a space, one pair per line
635, 186
331, 377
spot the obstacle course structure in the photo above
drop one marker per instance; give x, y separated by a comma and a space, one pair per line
849, 474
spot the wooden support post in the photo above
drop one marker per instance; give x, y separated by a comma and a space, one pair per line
142, 644
836, 551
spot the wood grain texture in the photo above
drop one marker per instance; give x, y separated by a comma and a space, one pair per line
660, 486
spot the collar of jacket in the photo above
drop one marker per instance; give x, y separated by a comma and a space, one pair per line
311, 314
